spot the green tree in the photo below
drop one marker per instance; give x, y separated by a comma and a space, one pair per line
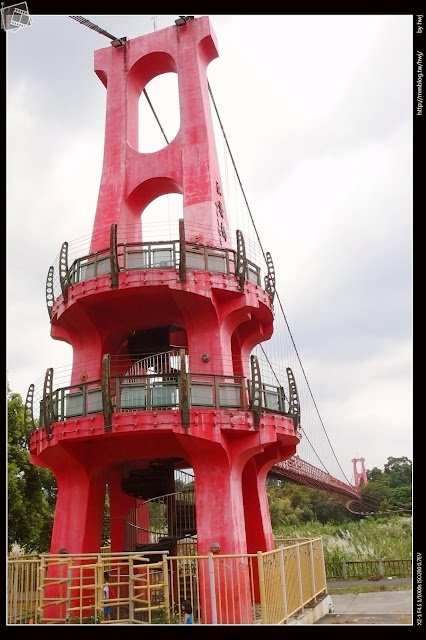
374, 474
402, 497
290, 503
399, 471
326, 509
377, 493
391, 489
31, 489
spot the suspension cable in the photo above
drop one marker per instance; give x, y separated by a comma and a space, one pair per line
89, 24
278, 298
155, 115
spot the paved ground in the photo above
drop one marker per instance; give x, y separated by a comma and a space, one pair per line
378, 607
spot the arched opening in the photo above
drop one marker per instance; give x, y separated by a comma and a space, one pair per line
159, 113
160, 220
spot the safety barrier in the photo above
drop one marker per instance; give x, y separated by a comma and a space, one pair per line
260, 588
364, 569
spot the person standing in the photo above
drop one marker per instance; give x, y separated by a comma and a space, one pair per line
107, 596
187, 612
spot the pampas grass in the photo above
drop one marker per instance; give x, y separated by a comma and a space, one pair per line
367, 539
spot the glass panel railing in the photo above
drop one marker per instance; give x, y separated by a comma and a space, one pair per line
162, 254
273, 398
165, 394
103, 266
195, 260
253, 273
147, 392
162, 258
133, 397
74, 405
201, 394
230, 395
94, 401
216, 262
136, 260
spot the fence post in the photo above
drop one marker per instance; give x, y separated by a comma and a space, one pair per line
166, 588
324, 572
43, 571
68, 609
99, 582
299, 575
381, 568
131, 590
212, 588
263, 609
311, 551
12, 602
283, 585
344, 570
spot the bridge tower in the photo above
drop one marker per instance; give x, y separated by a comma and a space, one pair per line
162, 334
360, 476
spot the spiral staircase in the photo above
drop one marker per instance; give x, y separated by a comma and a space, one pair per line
159, 521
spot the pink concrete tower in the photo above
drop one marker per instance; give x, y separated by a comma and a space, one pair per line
162, 333
360, 474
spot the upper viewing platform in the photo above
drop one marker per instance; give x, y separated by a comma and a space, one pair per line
179, 256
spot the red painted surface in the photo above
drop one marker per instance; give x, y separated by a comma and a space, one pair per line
188, 165
230, 457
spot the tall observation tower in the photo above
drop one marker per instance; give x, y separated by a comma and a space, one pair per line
162, 333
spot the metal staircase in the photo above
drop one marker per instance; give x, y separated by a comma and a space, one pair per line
158, 523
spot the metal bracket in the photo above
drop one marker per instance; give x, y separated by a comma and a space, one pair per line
182, 251
113, 258
29, 424
241, 262
256, 391
64, 276
106, 394
270, 278
294, 404
48, 411
50, 296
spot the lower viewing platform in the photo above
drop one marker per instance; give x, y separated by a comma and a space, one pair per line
159, 392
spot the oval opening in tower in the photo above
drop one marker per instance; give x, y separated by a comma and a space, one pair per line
159, 113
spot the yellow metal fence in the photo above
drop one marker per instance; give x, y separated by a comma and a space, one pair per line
262, 588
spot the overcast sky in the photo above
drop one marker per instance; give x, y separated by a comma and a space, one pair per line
318, 112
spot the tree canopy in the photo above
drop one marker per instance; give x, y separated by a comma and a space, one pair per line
31, 489
391, 488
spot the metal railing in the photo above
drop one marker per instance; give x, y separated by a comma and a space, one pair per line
259, 588
23, 588
154, 382
160, 255
154, 391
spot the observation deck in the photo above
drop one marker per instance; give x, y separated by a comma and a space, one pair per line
160, 391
